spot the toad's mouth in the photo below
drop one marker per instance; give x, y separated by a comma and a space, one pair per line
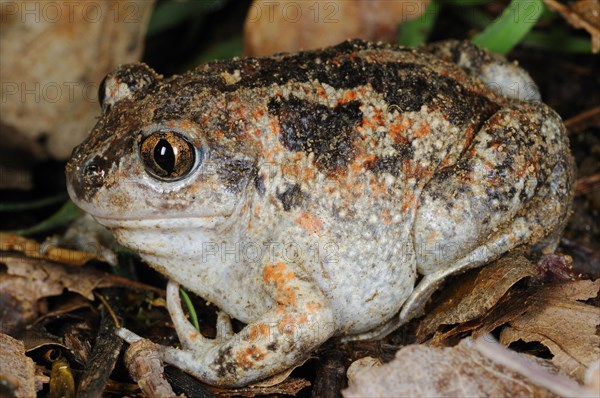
162, 223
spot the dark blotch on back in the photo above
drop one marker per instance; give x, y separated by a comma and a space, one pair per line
411, 86
404, 83
393, 163
326, 132
259, 184
291, 197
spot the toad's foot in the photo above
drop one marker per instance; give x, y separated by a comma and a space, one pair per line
190, 338
301, 320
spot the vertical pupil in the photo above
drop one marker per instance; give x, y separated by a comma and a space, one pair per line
164, 155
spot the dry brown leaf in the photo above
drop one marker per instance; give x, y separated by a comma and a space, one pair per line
423, 371
475, 293
17, 371
81, 280
582, 14
288, 25
565, 325
50, 279
19, 303
53, 56
510, 306
536, 370
32, 249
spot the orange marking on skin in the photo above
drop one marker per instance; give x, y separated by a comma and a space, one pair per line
469, 134
385, 216
445, 162
432, 237
290, 322
269, 156
309, 222
361, 163
398, 129
408, 202
247, 358
308, 174
466, 178
259, 331
258, 113
495, 181
368, 161
364, 125
378, 117
278, 275
536, 164
350, 96
186, 125
290, 169
378, 186
423, 131
313, 307
321, 92
274, 127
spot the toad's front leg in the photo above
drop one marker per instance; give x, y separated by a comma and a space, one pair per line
301, 320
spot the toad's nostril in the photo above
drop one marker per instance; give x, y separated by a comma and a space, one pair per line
94, 172
91, 168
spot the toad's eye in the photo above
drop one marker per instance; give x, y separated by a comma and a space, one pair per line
167, 155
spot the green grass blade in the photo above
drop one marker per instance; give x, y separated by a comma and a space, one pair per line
510, 27
415, 32
67, 213
223, 50
465, 3
33, 205
168, 14
191, 309
558, 40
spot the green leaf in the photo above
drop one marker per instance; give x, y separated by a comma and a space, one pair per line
171, 13
33, 205
510, 27
191, 309
465, 3
558, 40
67, 213
415, 32
222, 50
